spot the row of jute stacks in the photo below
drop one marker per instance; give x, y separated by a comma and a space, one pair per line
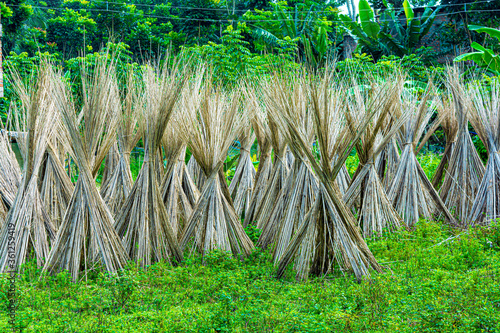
312, 213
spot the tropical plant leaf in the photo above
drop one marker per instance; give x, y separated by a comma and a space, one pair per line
490, 31
366, 17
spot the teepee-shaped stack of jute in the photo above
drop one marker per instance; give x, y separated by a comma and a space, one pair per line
143, 222
299, 191
118, 183
376, 213
260, 210
449, 124
27, 225
179, 192
10, 173
86, 236
328, 233
465, 170
258, 119
210, 123
56, 187
242, 183
411, 192
485, 118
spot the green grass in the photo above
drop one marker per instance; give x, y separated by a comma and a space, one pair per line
427, 287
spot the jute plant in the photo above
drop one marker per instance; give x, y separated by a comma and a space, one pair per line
117, 184
10, 172
485, 118
375, 213
450, 126
143, 223
243, 180
260, 212
27, 225
411, 192
465, 170
328, 234
299, 191
210, 123
86, 237
258, 119
179, 192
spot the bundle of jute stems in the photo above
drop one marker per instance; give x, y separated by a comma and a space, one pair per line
210, 122
86, 237
279, 173
10, 172
449, 123
328, 233
375, 213
298, 193
258, 119
242, 183
143, 222
411, 192
27, 226
179, 192
118, 183
56, 187
465, 169
110, 165
485, 118
387, 162
196, 172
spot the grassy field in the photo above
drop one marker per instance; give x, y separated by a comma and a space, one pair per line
432, 284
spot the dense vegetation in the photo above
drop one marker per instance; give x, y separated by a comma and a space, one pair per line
437, 280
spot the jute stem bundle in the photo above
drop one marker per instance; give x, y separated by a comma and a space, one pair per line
10, 173
465, 170
298, 193
86, 236
210, 123
242, 183
117, 184
27, 225
411, 192
450, 127
376, 213
179, 192
485, 118
143, 222
328, 232
264, 170
262, 212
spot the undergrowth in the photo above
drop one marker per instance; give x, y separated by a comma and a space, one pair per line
436, 280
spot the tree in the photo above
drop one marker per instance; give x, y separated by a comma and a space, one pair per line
389, 36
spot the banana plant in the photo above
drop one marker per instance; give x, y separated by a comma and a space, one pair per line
484, 58
304, 26
389, 36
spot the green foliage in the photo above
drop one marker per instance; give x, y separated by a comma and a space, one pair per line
484, 57
437, 279
389, 36
231, 61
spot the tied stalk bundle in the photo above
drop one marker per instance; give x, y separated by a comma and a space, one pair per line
117, 184
328, 234
211, 120
299, 191
465, 170
27, 224
86, 237
242, 183
485, 118
375, 214
143, 223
